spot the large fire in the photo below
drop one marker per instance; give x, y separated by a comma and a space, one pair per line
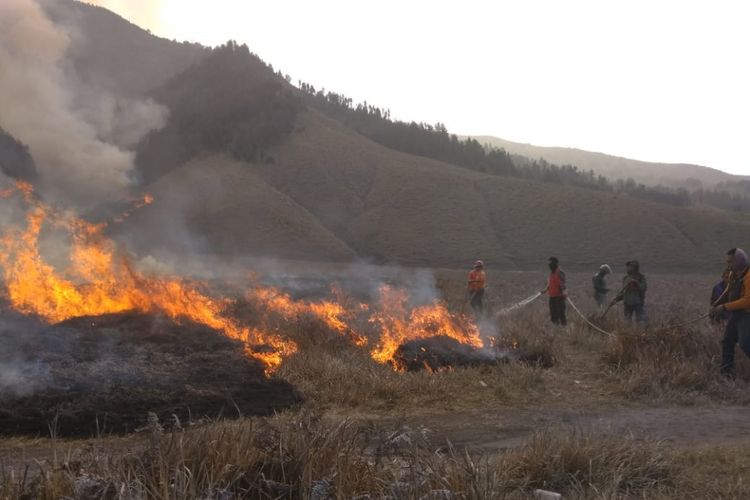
100, 280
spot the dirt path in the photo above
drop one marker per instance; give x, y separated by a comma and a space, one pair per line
682, 426
483, 432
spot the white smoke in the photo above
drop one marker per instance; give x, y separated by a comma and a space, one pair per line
120, 120
77, 137
19, 379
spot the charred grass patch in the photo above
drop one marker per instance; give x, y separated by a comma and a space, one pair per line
103, 374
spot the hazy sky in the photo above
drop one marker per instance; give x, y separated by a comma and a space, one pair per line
652, 80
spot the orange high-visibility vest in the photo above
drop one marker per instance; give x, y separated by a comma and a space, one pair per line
476, 280
556, 284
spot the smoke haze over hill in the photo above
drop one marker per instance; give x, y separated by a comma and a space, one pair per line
78, 135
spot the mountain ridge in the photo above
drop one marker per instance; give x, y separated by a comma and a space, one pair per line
675, 175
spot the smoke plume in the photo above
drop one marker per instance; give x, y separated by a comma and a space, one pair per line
78, 136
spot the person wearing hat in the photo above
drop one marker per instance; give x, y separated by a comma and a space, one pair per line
737, 303
633, 293
477, 284
600, 285
557, 292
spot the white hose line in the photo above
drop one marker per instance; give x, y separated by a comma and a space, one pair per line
584, 318
518, 305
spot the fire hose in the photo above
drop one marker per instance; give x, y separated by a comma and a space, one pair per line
584, 318
612, 303
519, 304
532, 298
714, 304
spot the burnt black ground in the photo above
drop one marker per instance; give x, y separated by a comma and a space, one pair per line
437, 353
103, 374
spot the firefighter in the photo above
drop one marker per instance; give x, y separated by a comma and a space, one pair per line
476, 286
556, 291
633, 293
600, 285
737, 303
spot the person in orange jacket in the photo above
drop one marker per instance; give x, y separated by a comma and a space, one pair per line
476, 286
737, 304
557, 292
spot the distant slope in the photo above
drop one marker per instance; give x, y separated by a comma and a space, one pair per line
668, 174
339, 191
115, 55
217, 205
229, 101
317, 190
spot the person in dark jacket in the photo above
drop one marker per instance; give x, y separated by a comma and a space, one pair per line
557, 292
601, 290
633, 293
737, 303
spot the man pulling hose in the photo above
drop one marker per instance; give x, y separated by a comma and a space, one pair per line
737, 303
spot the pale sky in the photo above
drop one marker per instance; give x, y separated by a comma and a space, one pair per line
655, 80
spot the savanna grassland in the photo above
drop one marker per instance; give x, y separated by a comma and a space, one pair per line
641, 414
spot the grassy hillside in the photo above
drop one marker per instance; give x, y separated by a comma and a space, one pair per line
677, 175
215, 204
111, 53
330, 193
244, 167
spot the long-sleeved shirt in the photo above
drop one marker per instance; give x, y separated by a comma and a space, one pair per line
634, 292
743, 302
600, 284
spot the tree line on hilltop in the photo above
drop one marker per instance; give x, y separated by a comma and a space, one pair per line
434, 141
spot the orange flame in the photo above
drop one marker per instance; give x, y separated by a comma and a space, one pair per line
146, 199
333, 314
399, 325
99, 281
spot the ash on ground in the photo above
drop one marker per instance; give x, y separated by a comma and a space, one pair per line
104, 374
441, 353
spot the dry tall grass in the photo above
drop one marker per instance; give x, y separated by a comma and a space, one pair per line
306, 457
673, 365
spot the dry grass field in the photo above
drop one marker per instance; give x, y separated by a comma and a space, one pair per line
642, 414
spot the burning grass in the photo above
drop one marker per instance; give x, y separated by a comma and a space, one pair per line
100, 280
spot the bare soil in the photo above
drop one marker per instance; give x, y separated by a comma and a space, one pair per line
680, 426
